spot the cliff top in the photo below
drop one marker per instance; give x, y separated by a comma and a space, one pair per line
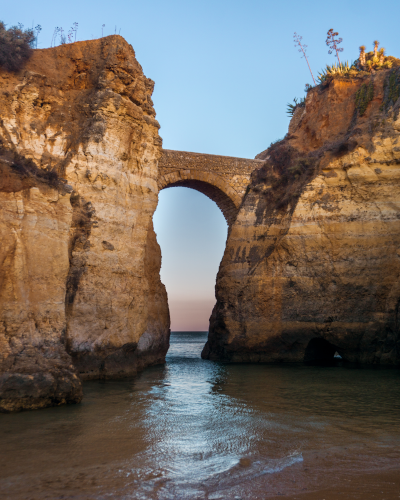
338, 117
70, 90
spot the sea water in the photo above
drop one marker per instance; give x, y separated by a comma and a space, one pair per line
199, 429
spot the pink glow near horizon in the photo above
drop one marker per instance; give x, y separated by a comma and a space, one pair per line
191, 232
189, 315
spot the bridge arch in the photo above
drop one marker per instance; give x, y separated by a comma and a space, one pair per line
224, 179
212, 185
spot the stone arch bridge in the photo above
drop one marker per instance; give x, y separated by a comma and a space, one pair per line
223, 179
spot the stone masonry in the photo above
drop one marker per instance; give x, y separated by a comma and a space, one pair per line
223, 179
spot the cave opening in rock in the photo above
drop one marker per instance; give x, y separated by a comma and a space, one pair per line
191, 231
320, 350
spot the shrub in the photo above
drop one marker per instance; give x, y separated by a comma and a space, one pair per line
391, 90
282, 178
364, 96
15, 46
299, 167
276, 141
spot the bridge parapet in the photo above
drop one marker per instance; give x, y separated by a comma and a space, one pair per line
224, 179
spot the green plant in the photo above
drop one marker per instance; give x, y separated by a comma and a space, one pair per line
364, 96
275, 142
291, 108
15, 46
373, 60
337, 69
299, 167
391, 90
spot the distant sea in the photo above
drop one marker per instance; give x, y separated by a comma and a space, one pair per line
204, 430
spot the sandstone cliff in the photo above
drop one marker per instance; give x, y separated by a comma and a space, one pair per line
79, 278
312, 263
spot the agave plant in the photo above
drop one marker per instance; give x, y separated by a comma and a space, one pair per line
335, 70
374, 60
361, 59
291, 108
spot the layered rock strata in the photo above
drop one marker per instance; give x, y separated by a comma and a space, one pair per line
80, 282
312, 263
35, 220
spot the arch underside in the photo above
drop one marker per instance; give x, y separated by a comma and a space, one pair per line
229, 205
223, 201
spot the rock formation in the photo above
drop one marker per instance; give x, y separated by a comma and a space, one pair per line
312, 263
80, 292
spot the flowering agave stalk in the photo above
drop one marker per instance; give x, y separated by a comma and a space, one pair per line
54, 37
333, 43
303, 49
37, 30
72, 33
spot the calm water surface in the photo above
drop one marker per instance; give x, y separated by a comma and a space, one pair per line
199, 429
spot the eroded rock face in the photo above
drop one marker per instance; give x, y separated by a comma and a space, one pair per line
312, 264
35, 218
84, 112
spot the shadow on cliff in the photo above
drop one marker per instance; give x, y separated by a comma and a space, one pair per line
264, 312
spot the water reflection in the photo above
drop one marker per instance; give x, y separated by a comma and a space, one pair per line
199, 429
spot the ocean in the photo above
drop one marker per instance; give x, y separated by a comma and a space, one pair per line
196, 429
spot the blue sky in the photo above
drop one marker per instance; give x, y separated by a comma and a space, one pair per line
224, 73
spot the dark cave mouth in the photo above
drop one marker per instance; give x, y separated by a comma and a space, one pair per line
320, 351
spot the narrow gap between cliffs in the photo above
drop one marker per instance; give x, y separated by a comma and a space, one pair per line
191, 231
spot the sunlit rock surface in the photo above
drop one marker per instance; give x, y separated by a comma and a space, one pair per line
79, 276
312, 263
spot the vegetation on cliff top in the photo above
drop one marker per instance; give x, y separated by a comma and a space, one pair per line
16, 46
288, 169
17, 43
297, 103
366, 64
